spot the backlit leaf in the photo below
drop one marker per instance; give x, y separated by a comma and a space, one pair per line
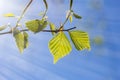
3, 27
26, 43
9, 15
41, 13
36, 25
21, 39
77, 16
80, 39
59, 46
70, 18
52, 27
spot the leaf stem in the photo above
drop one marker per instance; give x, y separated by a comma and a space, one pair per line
65, 30
22, 14
46, 6
71, 3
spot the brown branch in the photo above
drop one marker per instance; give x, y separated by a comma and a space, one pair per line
65, 30
59, 30
22, 14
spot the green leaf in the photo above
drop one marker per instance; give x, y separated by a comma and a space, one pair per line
26, 43
9, 15
80, 39
3, 27
59, 46
77, 16
41, 13
71, 19
36, 25
21, 39
52, 27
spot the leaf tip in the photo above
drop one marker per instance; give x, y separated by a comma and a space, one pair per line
21, 51
55, 60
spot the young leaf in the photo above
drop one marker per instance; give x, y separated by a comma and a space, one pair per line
21, 39
41, 13
26, 43
77, 16
3, 27
52, 27
71, 19
33, 25
9, 15
36, 25
80, 39
59, 46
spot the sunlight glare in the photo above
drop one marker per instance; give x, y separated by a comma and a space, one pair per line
2, 2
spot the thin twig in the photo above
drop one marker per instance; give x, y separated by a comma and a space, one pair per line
45, 13
59, 30
21, 16
6, 33
71, 4
64, 22
70, 9
46, 6
65, 30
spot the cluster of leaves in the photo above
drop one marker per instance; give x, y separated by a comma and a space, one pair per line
59, 45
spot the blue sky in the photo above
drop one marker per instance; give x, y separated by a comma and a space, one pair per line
101, 63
